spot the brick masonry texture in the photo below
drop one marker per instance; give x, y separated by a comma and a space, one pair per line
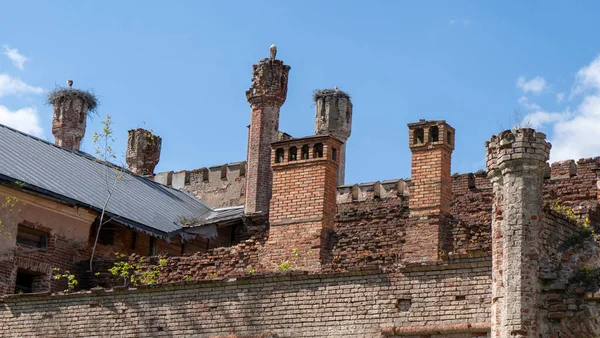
515, 160
303, 202
266, 96
369, 233
497, 253
350, 305
508, 252
68, 123
334, 117
218, 186
143, 151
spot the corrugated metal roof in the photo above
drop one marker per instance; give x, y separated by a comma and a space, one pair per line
79, 178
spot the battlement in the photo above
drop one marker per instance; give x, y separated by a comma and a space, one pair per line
372, 190
213, 174
520, 144
219, 186
571, 169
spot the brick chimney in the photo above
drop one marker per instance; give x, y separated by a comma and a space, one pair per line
266, 96
334, 117
143, 151
516, 162
70, 115
303, 206
431, 144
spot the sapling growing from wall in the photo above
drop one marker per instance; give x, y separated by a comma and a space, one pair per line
103, 149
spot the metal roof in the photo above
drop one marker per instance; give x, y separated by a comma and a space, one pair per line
78, 178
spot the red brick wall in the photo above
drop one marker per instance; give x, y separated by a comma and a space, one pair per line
368, 233
573, 184
303, 205
431, 185
428, 233
472, 210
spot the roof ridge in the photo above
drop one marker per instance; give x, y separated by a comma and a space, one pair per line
76, 152
90, 157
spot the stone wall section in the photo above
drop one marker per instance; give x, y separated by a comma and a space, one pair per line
218, 186
516, 161
297, 305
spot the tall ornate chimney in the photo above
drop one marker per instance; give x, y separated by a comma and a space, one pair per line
431, 144
266, 96
71, 108
334, 117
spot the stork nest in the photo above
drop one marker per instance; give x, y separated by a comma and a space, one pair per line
61, 93
318, 94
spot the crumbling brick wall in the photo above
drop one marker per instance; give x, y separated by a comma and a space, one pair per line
368, 233
573, 184
471, 209
361, 303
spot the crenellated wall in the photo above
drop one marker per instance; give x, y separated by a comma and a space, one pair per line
574, 184
218, 186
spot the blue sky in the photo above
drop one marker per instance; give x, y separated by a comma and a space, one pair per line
181, 69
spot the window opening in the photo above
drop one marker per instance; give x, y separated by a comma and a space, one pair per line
279, 155
318, 150
32, 238
334, 154
449, 138
24, 282
293, 154
305, 152
418, 136
106, 236
434, 134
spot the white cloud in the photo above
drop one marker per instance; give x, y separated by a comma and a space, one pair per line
540, 118
574, 138
560, 97
24, 119
14, 86
535, 85
574, 131
587, 78
17, 58
524, 101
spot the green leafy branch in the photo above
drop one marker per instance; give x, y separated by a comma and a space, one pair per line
71, 278
134, 273
584, 232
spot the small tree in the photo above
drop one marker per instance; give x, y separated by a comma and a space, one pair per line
103, 149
